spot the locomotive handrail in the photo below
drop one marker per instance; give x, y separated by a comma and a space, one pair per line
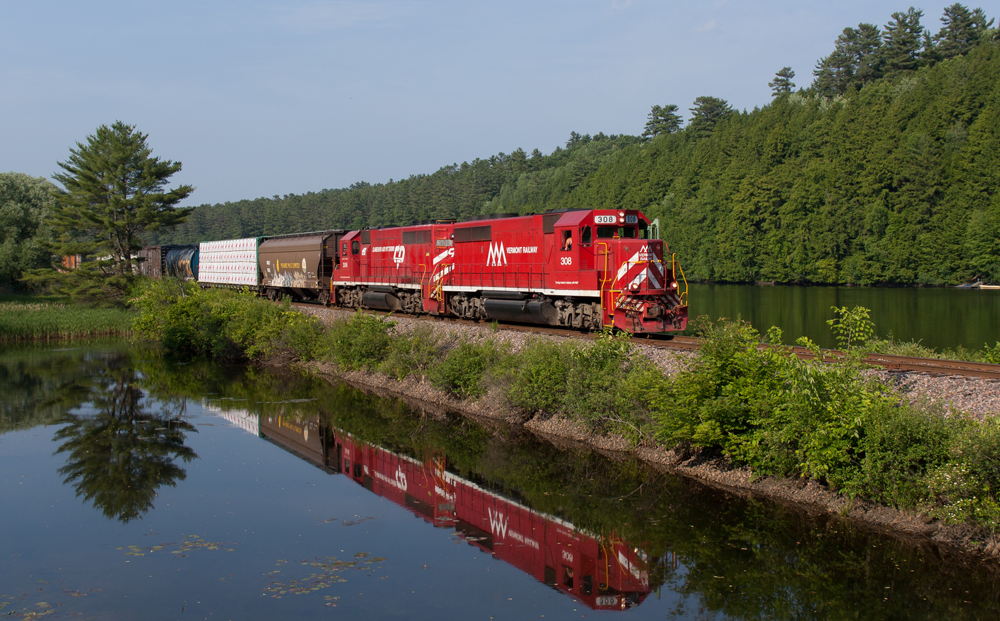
604, 281
675, 266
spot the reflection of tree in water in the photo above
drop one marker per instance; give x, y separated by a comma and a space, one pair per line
121, 455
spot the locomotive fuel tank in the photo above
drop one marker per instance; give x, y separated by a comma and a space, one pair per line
529, 311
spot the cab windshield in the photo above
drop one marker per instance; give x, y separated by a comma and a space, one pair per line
605, 232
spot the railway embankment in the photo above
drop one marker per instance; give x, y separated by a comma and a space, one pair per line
913, 516
890, 450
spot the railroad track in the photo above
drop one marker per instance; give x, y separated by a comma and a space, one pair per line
930, 366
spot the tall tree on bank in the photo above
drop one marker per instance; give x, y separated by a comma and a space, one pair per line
115, 192
856, 60
662, 120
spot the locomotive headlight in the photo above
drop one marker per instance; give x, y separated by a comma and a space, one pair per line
673, 285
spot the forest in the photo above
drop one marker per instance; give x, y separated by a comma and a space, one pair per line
883, 170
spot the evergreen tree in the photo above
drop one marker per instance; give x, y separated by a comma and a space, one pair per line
865, 48
902, 42
961, 31
782, 84
114, 194
856, 60
706, 114
662, 120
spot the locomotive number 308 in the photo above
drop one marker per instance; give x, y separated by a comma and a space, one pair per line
605, 219
565, 260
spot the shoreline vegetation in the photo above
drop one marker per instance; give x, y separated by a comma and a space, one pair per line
25, 318
760, 420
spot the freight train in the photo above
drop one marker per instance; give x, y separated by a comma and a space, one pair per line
602, 572
584, 269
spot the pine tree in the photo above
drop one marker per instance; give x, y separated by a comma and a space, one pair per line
706, 114
662, 120
902, 41
114, 194
961, 30
782, 84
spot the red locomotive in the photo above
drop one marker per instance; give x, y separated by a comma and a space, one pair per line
582, 269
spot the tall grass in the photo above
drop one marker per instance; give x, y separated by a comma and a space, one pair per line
40, 321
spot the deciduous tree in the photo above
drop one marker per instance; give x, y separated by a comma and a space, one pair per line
24, 203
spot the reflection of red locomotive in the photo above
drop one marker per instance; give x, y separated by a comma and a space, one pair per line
603, 573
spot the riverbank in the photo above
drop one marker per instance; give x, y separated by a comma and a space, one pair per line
28, 319
979, 398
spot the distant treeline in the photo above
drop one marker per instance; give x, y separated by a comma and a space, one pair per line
884, 170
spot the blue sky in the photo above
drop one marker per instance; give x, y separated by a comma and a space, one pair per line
272, 98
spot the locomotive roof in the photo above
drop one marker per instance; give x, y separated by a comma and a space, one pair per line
573, 218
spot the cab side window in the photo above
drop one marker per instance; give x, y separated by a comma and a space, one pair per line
567, 240
585, 239
355, 247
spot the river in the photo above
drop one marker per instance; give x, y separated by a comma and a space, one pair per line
942, 318
134, 487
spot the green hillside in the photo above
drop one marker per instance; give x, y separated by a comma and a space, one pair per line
883, 170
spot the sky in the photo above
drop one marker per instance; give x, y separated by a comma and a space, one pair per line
260, 98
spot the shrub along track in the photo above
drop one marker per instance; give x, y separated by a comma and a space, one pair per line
930, 366
707, 467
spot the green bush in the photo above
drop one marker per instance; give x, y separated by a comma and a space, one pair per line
605, 385
412, 353
536, 376
361, 342
899, 446
219, 323
727, 392
463, 369
991, 354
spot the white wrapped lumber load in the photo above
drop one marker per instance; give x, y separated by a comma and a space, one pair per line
229, 262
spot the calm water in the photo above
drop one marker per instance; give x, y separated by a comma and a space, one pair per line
937, 317
133, 488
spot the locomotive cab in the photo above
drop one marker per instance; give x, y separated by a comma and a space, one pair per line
640, 291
